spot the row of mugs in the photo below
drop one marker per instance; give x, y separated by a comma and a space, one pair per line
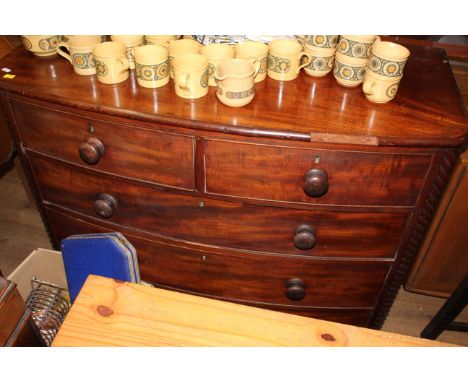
359, 59
351, 57
46, 45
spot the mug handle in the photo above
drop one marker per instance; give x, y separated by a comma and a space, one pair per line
256, 63
124, 62
302, 54
62, 53
367, 87
183, 79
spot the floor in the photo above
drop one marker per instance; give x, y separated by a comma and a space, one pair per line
21, 231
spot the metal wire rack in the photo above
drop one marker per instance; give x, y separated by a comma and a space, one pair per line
48, 308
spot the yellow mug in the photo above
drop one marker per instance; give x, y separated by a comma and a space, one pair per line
388, 59
235, 79
284, 60
151, 66
190, 72
254, 50
380, 89
215, 53
80, 54
112, 65
179, 47
130, 42
41, 45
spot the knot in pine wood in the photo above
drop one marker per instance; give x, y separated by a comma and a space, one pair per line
328, 337
105, 311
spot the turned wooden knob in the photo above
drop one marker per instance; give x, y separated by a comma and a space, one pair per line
295, 289
316, 182
105, 205
304, 237
92, 150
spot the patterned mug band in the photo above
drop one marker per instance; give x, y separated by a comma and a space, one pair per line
152, 72
350, 73
354, 48
278, 64
83, 60
237, 95
321, 64
322, 41
385, 67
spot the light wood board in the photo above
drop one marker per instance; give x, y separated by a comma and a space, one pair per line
111, 313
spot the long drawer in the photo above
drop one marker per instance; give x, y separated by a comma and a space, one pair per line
280, 173
138, 153
245, 277
220, 223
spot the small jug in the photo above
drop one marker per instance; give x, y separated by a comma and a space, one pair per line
235, 78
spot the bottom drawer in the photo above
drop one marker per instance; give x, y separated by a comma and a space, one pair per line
248, 278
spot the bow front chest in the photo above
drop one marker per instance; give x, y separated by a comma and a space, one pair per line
309, 200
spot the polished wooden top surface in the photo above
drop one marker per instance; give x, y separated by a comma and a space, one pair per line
427, 110
111, 313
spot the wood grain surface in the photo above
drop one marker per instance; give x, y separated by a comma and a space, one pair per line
319, 105
112, 313
277, 173
214, 222
442, 262
130, 152
243, 277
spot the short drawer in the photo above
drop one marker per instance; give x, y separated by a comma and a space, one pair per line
285, 174
133, 152
247, 277
213, 222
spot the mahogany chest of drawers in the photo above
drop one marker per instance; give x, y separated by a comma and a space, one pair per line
310, 200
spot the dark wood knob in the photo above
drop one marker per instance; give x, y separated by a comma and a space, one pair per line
105, 205
295, 289
316, 182
92, 150
304, 237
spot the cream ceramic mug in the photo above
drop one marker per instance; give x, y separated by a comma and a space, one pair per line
235, 79
130, 42
112, 65
215, 53
284, 60
80, 54
190, 72
151, 66
179, 47
388, 59
41, 45
254, 50
380, 89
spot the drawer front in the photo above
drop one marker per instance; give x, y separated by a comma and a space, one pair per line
244, 277
344, 177
234, 225
167, 159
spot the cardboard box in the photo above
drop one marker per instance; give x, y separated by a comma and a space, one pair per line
45, 264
